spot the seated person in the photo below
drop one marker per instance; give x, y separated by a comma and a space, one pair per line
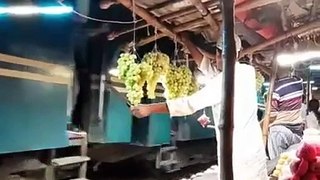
286, 124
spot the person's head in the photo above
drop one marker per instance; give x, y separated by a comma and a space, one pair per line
283, 71
313, 105
220, 47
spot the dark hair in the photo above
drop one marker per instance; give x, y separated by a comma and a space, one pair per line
314, 107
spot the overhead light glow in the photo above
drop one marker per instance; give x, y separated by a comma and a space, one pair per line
314, 67
314, 88
29, 10
266, 84
292, 58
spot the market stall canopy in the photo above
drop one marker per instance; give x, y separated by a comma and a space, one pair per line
259, 22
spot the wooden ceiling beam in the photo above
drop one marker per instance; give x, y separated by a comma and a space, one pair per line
142, 24
239, 8
148, 17
163, 5
207, 16
310, 27
245, 6
189, 10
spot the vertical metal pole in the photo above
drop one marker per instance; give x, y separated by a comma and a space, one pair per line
226, 119
308, 90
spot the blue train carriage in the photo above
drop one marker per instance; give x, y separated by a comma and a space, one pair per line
35, 107
122, 136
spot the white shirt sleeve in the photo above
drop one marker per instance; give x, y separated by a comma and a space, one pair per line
206, 68
208, 96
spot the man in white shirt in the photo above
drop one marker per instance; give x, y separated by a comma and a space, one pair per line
249, 157
205, 65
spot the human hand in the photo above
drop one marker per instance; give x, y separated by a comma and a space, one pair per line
204, 120
141, 110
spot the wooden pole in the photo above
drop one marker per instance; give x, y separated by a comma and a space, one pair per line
308, 90
266, 121
227, 104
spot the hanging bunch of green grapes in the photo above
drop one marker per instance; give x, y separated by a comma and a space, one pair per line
146, 72
134, 84
259, 80
160, 65
124, 62
133, 75
179, 82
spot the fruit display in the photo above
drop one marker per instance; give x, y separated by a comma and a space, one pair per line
179, 82
155, 67
159, 63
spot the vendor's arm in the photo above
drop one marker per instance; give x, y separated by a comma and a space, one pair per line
207, 96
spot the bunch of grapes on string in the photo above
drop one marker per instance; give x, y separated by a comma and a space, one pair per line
179, 81
133, 74
160, 64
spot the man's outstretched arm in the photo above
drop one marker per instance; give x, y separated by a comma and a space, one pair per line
207, 96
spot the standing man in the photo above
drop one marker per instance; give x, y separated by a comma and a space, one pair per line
204, 63
249, 158
286, 126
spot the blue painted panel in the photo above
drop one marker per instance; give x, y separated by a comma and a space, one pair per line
118, 119
153, 130
159, 129
32, 115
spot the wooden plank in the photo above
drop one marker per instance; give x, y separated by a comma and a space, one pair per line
69, 160
34, 76
28, 62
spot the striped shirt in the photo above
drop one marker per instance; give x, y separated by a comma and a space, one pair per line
287, 101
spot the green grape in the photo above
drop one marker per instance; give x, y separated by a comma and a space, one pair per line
159, 63
179, 82
130, 73
146, 72
124, 62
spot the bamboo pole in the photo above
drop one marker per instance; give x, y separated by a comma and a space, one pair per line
266, 121
227, 105
312, 26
